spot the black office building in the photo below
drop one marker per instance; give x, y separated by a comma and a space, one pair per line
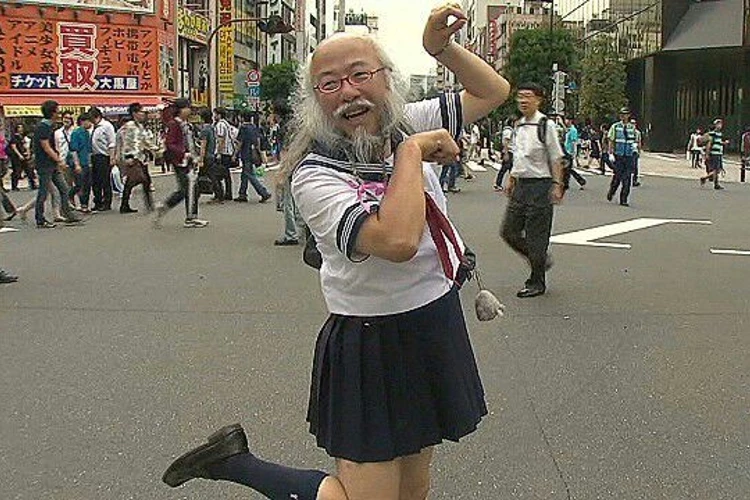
701, 72
688, 62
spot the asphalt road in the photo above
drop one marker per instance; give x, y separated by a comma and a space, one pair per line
122, 346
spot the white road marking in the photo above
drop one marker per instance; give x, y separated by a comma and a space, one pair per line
718, 251
586, 237
475, 167
8, 230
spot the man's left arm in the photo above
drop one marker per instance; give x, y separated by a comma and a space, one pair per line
484, 89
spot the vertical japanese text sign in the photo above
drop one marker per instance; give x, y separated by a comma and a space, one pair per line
226, 51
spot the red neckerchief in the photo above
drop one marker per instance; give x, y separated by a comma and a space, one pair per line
440, 229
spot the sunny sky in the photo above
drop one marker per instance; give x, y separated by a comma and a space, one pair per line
401, 25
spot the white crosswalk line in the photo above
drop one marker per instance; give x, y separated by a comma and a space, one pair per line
718, 251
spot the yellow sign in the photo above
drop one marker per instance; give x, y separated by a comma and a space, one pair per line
226, 60
192, 26
18, 111
198, 99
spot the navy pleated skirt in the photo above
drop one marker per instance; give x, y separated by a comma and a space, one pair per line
389, 386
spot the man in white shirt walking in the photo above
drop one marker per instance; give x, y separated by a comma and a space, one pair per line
62, 142
102, 159
536, 183
225, 149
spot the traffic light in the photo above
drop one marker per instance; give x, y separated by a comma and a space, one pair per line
274, 25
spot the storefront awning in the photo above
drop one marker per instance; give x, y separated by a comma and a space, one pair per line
708, 25
28, 105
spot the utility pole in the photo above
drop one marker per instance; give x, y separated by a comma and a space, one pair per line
342, 16
558, 90
213, 57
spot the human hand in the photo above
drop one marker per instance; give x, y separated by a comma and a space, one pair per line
557, 193
510, 186
437, 146
438, 33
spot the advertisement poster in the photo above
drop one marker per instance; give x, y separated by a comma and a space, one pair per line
39, 55
226, 52
135, 6
192, 26
166, 62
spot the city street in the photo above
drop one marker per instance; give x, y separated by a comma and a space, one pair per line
123, 346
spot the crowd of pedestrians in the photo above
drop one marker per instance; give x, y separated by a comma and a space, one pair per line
77, 165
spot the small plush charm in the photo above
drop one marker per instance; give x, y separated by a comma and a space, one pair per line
488, 307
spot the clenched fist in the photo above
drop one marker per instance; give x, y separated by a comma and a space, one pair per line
437, 146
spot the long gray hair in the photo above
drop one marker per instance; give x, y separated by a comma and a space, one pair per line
310, 124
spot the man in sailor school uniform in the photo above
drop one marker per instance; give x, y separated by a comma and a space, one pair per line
394, 372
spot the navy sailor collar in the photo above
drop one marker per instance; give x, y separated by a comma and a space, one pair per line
323, 156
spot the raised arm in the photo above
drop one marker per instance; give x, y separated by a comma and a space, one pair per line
484, 88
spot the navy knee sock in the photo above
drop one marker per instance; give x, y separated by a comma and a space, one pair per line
272, 480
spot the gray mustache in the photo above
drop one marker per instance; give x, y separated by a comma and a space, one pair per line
346, 108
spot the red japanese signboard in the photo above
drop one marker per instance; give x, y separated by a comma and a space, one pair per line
71, 56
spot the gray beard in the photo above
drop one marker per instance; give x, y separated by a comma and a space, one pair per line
363, 147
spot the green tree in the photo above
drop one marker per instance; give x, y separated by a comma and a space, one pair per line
532, 54
602, 80
278, 81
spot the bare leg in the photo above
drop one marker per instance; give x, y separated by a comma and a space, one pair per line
415, 476
370, 481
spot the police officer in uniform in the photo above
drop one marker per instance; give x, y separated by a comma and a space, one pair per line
622, 137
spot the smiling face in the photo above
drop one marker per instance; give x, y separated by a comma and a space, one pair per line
351, 106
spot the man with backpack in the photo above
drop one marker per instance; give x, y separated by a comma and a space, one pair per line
225, 148
535, 184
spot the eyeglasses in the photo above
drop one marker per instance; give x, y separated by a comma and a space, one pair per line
330, 85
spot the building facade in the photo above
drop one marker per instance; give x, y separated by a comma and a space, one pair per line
357, 22
688, 62
109, 56
193, 27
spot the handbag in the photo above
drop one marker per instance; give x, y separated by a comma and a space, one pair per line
205, 186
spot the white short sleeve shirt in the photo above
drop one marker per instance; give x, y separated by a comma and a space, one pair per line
532, 158
335, 204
